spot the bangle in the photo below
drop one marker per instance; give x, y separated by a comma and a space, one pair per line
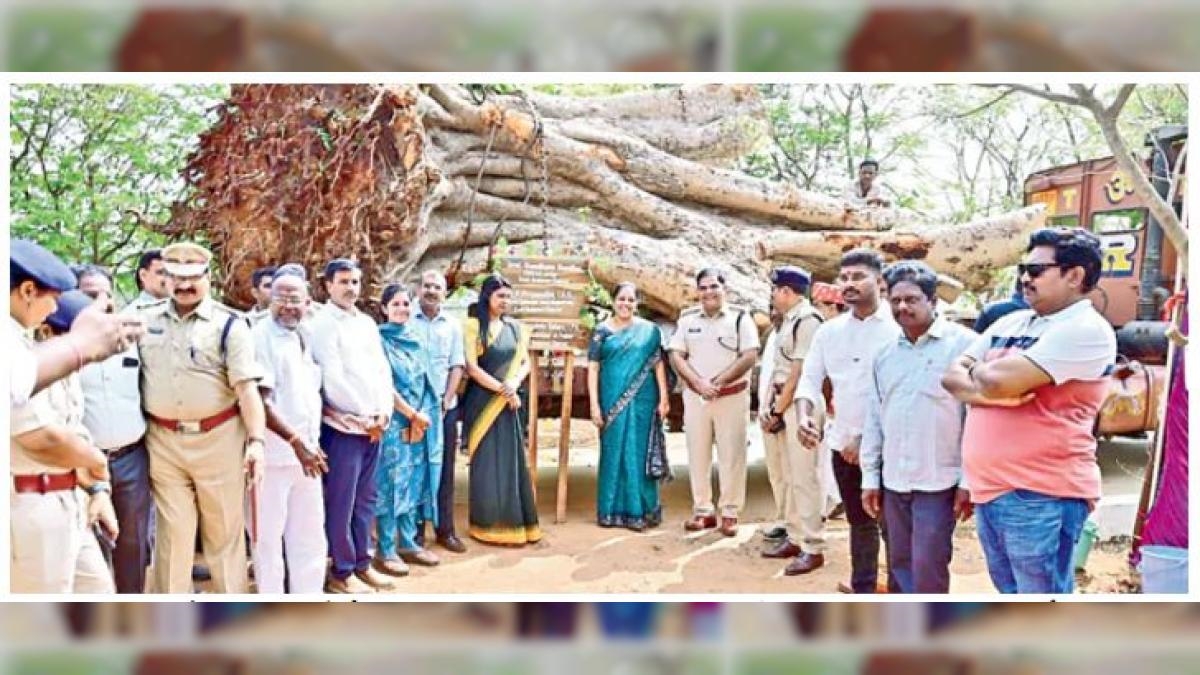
80, 361
98, 487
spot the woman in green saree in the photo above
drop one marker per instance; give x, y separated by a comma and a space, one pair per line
627, 384
501, 508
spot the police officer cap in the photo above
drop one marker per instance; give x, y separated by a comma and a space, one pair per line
186, 259
41, 265
70, 304
796, 278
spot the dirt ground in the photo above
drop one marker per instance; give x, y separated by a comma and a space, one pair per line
578, 557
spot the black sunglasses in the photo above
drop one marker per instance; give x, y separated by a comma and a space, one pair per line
1035, 270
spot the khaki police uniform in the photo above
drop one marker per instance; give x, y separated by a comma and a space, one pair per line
53, 549
711, 345
792, 469
196, 472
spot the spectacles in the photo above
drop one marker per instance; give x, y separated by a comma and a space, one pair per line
1035, 270
289, 302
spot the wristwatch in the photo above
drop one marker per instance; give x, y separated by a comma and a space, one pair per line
98, 486
255, 439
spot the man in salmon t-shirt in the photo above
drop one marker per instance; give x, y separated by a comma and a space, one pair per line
1035, 381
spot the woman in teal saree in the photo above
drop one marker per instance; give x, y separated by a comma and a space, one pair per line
501, 509
627, 385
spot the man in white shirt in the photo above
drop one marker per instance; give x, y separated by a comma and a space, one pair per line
866, 190
357, 383
843, 349
112, 413
291, 507
912, 444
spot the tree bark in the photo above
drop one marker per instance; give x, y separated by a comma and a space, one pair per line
969, 253
407, 178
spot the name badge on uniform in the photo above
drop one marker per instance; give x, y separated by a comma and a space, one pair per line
696, 329
129, 362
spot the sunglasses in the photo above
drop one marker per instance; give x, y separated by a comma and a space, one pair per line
1035, 270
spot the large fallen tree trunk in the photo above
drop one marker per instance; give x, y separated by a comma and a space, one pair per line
411, 177
970, 253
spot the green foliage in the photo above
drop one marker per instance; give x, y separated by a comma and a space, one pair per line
95, 168
819, 132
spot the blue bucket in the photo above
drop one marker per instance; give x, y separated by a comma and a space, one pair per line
1164, 569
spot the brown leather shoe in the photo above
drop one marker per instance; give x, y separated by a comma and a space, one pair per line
805, 563
424, 557
452, 543
785, 549
390, 566
699, 522
729, 525
375, 580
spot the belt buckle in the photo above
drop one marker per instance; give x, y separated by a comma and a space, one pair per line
43, 483
189, 427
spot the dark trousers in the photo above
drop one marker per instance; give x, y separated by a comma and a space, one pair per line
445, 495
134, 506
920, 528
350, 493
865, 531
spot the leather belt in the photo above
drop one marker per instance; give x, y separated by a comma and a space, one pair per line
118, 453
45, 482
731, 389
196, 426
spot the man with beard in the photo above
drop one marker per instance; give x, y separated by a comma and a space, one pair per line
1035, 381
206, 425
911, 454
842, 349
357, 383
713, 350
291, 505
442, 339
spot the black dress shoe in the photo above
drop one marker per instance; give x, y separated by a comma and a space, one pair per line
452, 543
785, 549
200, 572
775, 533
805, 563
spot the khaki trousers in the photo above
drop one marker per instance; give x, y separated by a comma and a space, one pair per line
724, 421
197, 480
795, 474
53, 549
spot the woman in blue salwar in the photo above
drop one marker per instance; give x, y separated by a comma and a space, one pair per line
627, 384
410, 462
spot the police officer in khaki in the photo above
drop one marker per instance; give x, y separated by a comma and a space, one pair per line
50, 456
791, 466
713, 350
205, 425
